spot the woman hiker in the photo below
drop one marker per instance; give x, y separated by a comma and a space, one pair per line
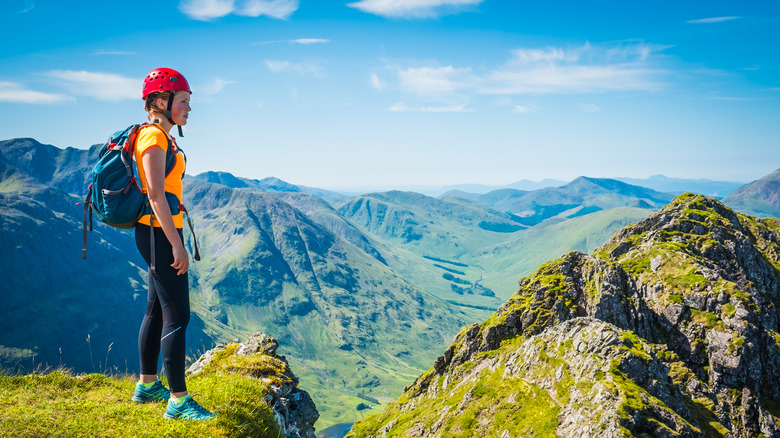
167, 100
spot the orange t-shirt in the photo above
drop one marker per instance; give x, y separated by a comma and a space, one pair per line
149, 137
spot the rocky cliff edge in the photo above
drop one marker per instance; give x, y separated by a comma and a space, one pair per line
670, 329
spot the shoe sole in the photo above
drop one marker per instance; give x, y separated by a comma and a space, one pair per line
171, 417
143, 400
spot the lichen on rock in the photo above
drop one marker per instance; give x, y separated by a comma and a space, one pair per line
294, 410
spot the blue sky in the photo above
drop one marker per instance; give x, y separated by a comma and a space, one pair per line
369, 94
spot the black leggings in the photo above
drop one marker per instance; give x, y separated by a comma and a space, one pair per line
167, 311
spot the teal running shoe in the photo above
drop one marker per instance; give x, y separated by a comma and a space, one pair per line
188, 410
156, 393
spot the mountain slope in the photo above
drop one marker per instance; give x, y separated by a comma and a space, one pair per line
269, 185
334, 307
760, 198
669, 329
579, 197
423, 239
525, 251
433, 226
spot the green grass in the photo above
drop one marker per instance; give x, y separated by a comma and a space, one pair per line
495, 404
59, 403
703, 412
707, 319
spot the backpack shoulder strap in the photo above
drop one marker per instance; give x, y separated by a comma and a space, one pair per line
170, 154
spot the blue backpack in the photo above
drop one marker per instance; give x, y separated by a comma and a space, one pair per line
114, 193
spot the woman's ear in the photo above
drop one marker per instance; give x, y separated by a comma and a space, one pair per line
162, 105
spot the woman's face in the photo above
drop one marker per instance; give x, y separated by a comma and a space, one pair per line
181, 107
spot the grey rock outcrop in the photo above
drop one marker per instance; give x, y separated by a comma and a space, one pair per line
668, 329
294, 410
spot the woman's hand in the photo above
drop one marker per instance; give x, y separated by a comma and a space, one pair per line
181, 260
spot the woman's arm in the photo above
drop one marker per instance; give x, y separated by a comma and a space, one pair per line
153, 160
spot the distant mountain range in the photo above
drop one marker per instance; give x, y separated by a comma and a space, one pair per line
707, 187
269, 185
579, 197
760, 198
520, 185
661, 183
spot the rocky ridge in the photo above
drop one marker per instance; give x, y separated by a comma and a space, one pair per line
294, 411
669, 329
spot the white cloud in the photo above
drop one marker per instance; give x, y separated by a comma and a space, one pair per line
570, 80
376, 82
278, 66
206, 10
16, 93
589, 108
281, 9
113, 52
101, 86
414, 8
551, 70
215, 86
28, 6
711, 20
400, 107
550, 54
287, 66
310, 41
525, 109
302, 41
585, 69
433, 80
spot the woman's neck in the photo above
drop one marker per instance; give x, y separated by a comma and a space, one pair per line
161, 120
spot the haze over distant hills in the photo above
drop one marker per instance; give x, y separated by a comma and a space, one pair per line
661, 183
524, 184
581, 196
707, 187
760, 198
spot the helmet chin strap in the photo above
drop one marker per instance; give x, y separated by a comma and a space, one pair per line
169, 115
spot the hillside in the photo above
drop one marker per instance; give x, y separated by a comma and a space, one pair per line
252, 389
760, 198
423, 239
579, 197
668, 329
441, 228
334, 307
525, 251
268, 185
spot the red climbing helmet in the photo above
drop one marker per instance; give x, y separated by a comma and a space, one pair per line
164, 79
